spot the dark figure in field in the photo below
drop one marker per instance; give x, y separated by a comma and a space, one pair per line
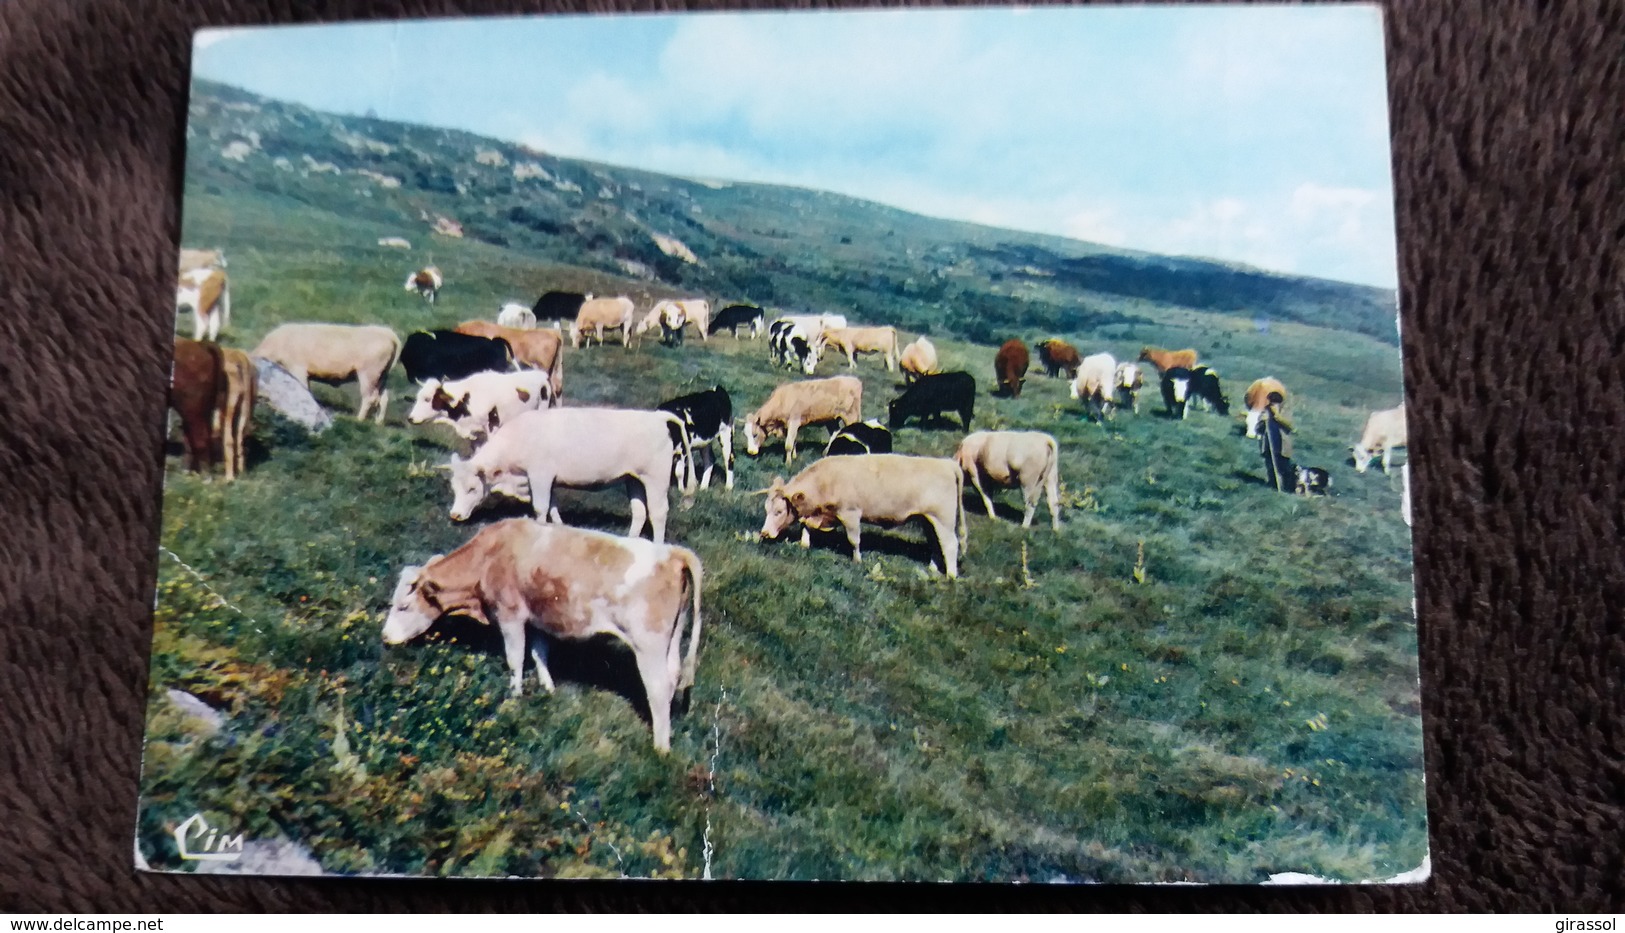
1275, 444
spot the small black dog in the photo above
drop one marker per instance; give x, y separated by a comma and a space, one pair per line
1313, 481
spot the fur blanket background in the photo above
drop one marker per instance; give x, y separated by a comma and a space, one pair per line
1509, 138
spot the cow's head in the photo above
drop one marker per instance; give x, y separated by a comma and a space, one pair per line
755, 434
414, 607
781, 510
807, 351
1362, 457
895, 414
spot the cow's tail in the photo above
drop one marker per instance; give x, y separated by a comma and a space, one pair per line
959, 506
1052, 479
691, 660
555, 378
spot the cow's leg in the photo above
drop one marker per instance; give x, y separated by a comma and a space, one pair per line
658, 687
513, 646
726, 436
382, 401
659, 507
949, 544
1030, 491
806, 537
638, 500
976, 483
538, 654
199, 327
710, 464
1387, 457
541, 498
790, 430
852, 521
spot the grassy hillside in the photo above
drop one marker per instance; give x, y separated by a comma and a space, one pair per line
1196, 679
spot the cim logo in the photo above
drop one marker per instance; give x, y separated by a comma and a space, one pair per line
200, 842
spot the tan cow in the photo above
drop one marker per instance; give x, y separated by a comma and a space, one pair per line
855, 340
233, 418
888, 489
918, 359
1384, 431
1096, 385
1165, 360
1258, 399
537, 349
573, 585
335, 354
580, 447
600, 314
1029, 459
695, 311
794, 404
191, 259
208, 294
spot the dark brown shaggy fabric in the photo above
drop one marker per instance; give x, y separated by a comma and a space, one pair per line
1508, 157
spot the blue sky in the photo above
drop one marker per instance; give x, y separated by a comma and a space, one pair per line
1251, 134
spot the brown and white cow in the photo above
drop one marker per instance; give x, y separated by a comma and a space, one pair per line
335, 354
1384, 430
1127, 385
233, 417
600, 314
579, 447
427, 282
1096, 385
197, 387
887, 489
1057, 356
1258, 399
795, 404
191, 259
1029, 459
1165, 360
855, 340
476, 406
537, 349
571, 584
918, 359
208, 294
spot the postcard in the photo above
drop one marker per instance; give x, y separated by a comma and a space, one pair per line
925, 445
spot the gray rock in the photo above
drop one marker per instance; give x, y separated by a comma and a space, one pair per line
210, 718
287, 395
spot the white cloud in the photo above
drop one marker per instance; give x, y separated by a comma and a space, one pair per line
1096, 225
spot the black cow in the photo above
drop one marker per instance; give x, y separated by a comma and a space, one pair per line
1205, 388
708, 416
861, 437
446, 355
1176, 387
734, 317
560, 308
934, 395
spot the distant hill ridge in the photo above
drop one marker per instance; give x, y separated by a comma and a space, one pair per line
775, 245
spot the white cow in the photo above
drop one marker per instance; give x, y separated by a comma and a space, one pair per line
481, 403
1384, 431
1096, 385
1029, 459
517, 316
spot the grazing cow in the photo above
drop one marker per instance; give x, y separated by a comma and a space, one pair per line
1206, 390
886, 489
600, 314
855, 340
577, 447
790, 344
1384, 431
1127, 385
1058, 356
935, 395
516, 316
918, 359
478, 405
447, 354
1096, 385
1029, 459
570, 584
1258, 399
208, 294
337, 353
192, 259
286, 395
794, 404
394, 242
734, 317
558, 308
234, 416
1165, 360
1010, 367
534, 349
707, 416
1313, 481
863, 437
673, 318
1176, 387
197, 387
696, 311
426, 282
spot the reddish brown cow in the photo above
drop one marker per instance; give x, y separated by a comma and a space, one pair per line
1058, 356
537, 349
197, 389
1010, 367
1165, 360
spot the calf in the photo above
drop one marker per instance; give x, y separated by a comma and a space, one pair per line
1165, 360
197, 388
447, 354
426, 282
516, 316
583, 447
863, 437
1096, 385
734, 317
706, 416
1257, 400
855, 340
1127, 384
1058, 356
1313, 481
532, 349
476, 406
1029, 459
569, 584
337, 353
234, 415
935, 395
878, 488
794, 404
1205, 389
918, 359
1010, 367
1384, 430
1176, 387
207, 293
558, 308
600, 314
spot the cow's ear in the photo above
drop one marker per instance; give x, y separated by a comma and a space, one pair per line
524, 395
432, 561
798, 499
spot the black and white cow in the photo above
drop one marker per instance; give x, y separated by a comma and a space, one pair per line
1313, 481
558, 308
708, 416
1205, 391
734, 317
790, 345
448, 355
862, 437
1176, 387
935, 394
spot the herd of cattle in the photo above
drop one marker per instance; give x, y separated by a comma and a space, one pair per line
500, 387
